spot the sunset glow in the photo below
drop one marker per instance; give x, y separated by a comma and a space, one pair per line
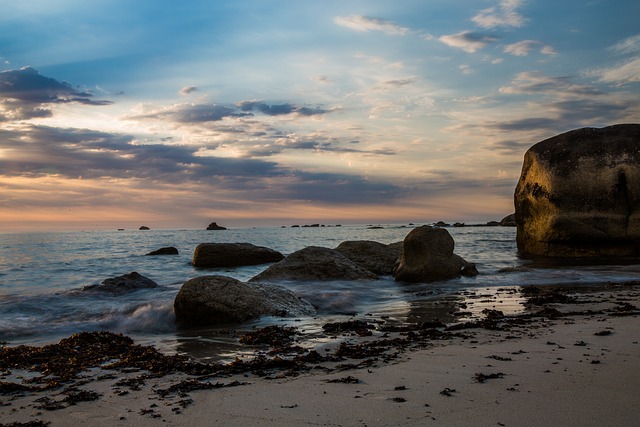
173, 115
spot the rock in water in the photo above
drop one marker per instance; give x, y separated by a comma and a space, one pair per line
373, 256
215, 300
214, 255
122, 284
315, 263
169, 250
214, 226
428, 256
579, 193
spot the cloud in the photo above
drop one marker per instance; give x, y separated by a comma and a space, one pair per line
365, 23
538, 83
34, 151
399, 82
505, 14
624, 71
628, 45
27, 85
190, 113
187, 90
467, 40
279, 109
523, 48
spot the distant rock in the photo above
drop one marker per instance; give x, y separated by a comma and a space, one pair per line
123, 284
509, 221
144, 227
214, 226
578, 195
169, 250
373, 256
215, 300
441, 224
315, 263
428, 256
492, 224
215, 255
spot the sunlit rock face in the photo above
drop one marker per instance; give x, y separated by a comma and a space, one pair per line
579, 195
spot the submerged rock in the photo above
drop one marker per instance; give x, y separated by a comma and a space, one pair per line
214, 300
214, 255
169, 250
428, 256
373, 256
315, 263
122, 284
579, 195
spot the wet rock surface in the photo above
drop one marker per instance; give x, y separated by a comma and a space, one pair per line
428, 256
123, 284
315, 263
169, 250
214, 300
373, 256
215, 255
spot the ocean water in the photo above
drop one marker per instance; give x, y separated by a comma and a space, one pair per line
42, 274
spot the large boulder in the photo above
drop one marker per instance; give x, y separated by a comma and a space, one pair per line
215, 255
214, 300
123, 284
428, 256
373, 256
579, 195
315, 263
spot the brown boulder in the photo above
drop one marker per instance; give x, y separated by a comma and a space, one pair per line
428, 256
373, 256
315, 263
579, 195
215, 255
214, 300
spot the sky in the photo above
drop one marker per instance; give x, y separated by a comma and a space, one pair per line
122, 113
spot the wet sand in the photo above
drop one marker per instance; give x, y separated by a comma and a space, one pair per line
571, 360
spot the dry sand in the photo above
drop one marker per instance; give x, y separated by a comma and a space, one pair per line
581, 369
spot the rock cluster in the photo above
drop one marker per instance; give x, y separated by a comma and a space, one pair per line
425, 255
579, 195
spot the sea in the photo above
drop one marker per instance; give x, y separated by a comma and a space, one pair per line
42, 276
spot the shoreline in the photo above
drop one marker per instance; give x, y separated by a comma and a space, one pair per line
572, 359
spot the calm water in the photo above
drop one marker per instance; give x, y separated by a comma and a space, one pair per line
41, 274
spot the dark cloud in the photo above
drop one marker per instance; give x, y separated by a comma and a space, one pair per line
533, 123
28, 86
187, 90
279, 109
510, 147
192, 113
67, 152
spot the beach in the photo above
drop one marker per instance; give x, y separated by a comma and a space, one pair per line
572, 358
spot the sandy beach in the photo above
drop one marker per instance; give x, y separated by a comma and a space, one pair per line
571, 359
